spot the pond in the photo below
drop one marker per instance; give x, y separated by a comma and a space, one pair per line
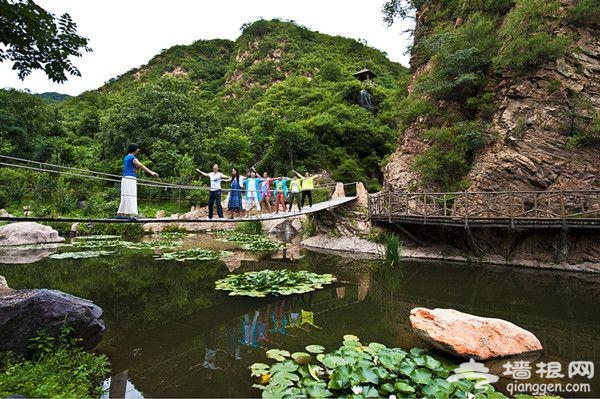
170, 334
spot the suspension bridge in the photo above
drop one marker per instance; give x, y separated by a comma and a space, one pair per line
336, 193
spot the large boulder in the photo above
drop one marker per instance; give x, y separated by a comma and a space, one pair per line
24, 313
24, 233
469, 336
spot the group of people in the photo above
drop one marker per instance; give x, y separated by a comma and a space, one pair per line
246, 193
258, 192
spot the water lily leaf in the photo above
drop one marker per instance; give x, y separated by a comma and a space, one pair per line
287, 365
81, 255
259, 369
332, 361
350, 337
365, 375
432, 363
301, 357
421, 376
315, 349
340, 377
318, 391
278, 354
403, 387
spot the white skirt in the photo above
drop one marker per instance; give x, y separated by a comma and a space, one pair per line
128, 204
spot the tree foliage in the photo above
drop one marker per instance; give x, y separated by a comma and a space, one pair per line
32, 38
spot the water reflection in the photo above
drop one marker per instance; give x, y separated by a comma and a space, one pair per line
170, 334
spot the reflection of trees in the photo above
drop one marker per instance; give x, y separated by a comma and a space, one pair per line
134, 292
560, 308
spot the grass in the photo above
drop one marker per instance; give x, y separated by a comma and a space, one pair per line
58, 368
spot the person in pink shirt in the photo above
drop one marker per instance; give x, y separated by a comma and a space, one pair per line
265, 191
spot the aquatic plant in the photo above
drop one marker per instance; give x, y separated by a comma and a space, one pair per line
252, 242
57, 369
192, 254
249, 227
364, 371
279, 282
392, 250
81, 254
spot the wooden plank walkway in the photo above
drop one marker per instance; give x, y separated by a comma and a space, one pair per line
509, 209
318, 207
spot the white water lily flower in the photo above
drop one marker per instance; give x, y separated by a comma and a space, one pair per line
392, 397
357, 390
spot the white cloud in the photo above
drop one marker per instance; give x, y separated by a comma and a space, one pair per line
127, 33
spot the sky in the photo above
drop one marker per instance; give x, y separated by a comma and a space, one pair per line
125, 34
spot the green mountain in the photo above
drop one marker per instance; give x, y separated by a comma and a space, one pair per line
279, 97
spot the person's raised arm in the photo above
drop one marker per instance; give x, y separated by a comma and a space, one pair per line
202, 173
225, 177
298, 174
139, 165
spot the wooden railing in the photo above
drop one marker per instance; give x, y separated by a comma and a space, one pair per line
503, 208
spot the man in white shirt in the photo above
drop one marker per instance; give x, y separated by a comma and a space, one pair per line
215, 190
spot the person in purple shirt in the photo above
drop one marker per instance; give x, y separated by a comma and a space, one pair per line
131, 165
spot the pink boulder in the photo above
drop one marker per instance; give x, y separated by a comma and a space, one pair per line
470, 336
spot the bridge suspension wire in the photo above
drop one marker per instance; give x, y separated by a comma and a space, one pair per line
91, 174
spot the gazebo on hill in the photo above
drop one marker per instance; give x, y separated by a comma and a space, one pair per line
364, 74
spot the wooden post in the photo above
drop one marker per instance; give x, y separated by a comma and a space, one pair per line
424, 208
466, 209
510, 210
562, 208
445, 206
390, 206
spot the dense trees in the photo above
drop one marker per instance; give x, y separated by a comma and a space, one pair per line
33, 39
280, 97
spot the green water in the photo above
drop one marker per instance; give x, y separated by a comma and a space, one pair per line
170, 334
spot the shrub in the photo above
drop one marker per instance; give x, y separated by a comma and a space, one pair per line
129, 231
584, 12
450, 155
528, 37
58, 368
250, 227
413, 107
461, 58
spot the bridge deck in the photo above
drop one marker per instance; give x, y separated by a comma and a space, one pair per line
321, 206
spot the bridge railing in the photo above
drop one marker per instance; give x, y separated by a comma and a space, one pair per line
506, 207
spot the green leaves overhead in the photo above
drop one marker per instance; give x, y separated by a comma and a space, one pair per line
362, 371
264, 282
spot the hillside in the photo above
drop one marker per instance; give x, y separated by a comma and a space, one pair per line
279, 97
505, 95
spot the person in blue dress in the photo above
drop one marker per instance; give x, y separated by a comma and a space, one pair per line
235, 196
131, 165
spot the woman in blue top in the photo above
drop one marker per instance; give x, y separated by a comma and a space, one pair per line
235, 196
131, 165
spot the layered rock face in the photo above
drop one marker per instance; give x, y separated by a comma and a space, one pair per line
531, 152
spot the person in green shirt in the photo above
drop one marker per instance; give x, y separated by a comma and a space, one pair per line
307, 184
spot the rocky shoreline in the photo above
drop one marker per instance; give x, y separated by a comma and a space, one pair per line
359, 248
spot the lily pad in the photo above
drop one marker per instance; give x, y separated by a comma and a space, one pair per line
81, 254
301, 357
278, 354
315, 349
